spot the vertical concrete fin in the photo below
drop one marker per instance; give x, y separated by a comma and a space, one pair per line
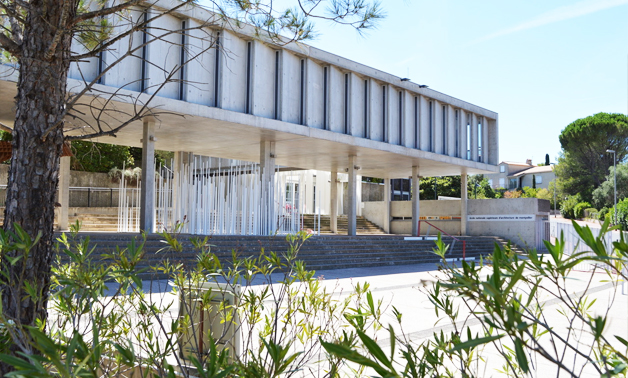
147, 214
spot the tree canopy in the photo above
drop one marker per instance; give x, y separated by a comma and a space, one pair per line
603, 196
584, 162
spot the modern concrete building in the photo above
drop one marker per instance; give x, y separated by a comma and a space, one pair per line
514, 175
276, 104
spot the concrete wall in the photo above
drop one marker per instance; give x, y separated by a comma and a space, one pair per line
401, 213
521, 232
372, 192
374, 212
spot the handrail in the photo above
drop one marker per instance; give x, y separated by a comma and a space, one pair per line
464, 242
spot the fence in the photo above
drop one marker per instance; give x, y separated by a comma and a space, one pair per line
543, 232
85, 196
573, 243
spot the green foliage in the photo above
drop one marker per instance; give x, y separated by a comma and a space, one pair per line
106, 321
478, 187
604, 195
507, 300
568, 206
431, 187
372, 179
622, 213
107, 158
601, 215
584, 163
529, 192
6, 136
99, 157
578, 210
591, 213
161, 157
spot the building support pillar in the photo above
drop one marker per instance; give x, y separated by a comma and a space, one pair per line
416, 213
463, 204
387, 204
64, 194
267, 168
353, 196
147, 202
333, 203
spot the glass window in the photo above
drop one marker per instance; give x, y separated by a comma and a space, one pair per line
538, 179
502, 182
502, 168
513, 183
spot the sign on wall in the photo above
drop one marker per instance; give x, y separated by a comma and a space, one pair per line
442, 217
502, 218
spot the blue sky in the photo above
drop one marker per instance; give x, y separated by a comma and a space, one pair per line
540, 64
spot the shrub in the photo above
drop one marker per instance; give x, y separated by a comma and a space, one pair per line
568, 205
578, 210
516, 327
512, 194
590, 213
622, 213
529, 192
99, 157
601, 215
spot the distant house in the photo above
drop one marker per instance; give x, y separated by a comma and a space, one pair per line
513, 175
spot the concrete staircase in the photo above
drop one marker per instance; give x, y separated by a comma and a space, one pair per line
106, 221
95, 220
319, 252
363, 225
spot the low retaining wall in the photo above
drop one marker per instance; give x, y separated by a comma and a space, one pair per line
520, 220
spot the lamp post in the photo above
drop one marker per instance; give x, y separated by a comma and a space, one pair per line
555, 187
614, 183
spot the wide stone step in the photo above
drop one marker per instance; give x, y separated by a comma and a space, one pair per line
319, 252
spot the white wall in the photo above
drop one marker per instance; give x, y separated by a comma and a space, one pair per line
519, 232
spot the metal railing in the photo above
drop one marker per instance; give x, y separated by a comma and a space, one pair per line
87, 196
427, 233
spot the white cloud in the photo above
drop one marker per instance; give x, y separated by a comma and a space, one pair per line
566, 12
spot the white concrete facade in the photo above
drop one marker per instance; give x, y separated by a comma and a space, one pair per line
231, 91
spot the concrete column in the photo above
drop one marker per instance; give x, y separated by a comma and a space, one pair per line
267, 166
147, 210
353, 196
416, 213
64, 193
333, 202
387, 206
463, 204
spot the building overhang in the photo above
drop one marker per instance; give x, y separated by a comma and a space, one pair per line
209, 131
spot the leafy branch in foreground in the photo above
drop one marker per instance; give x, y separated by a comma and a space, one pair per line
532, 311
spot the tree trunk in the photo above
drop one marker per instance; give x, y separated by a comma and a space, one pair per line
33, 175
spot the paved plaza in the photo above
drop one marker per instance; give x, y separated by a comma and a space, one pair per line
401, 287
